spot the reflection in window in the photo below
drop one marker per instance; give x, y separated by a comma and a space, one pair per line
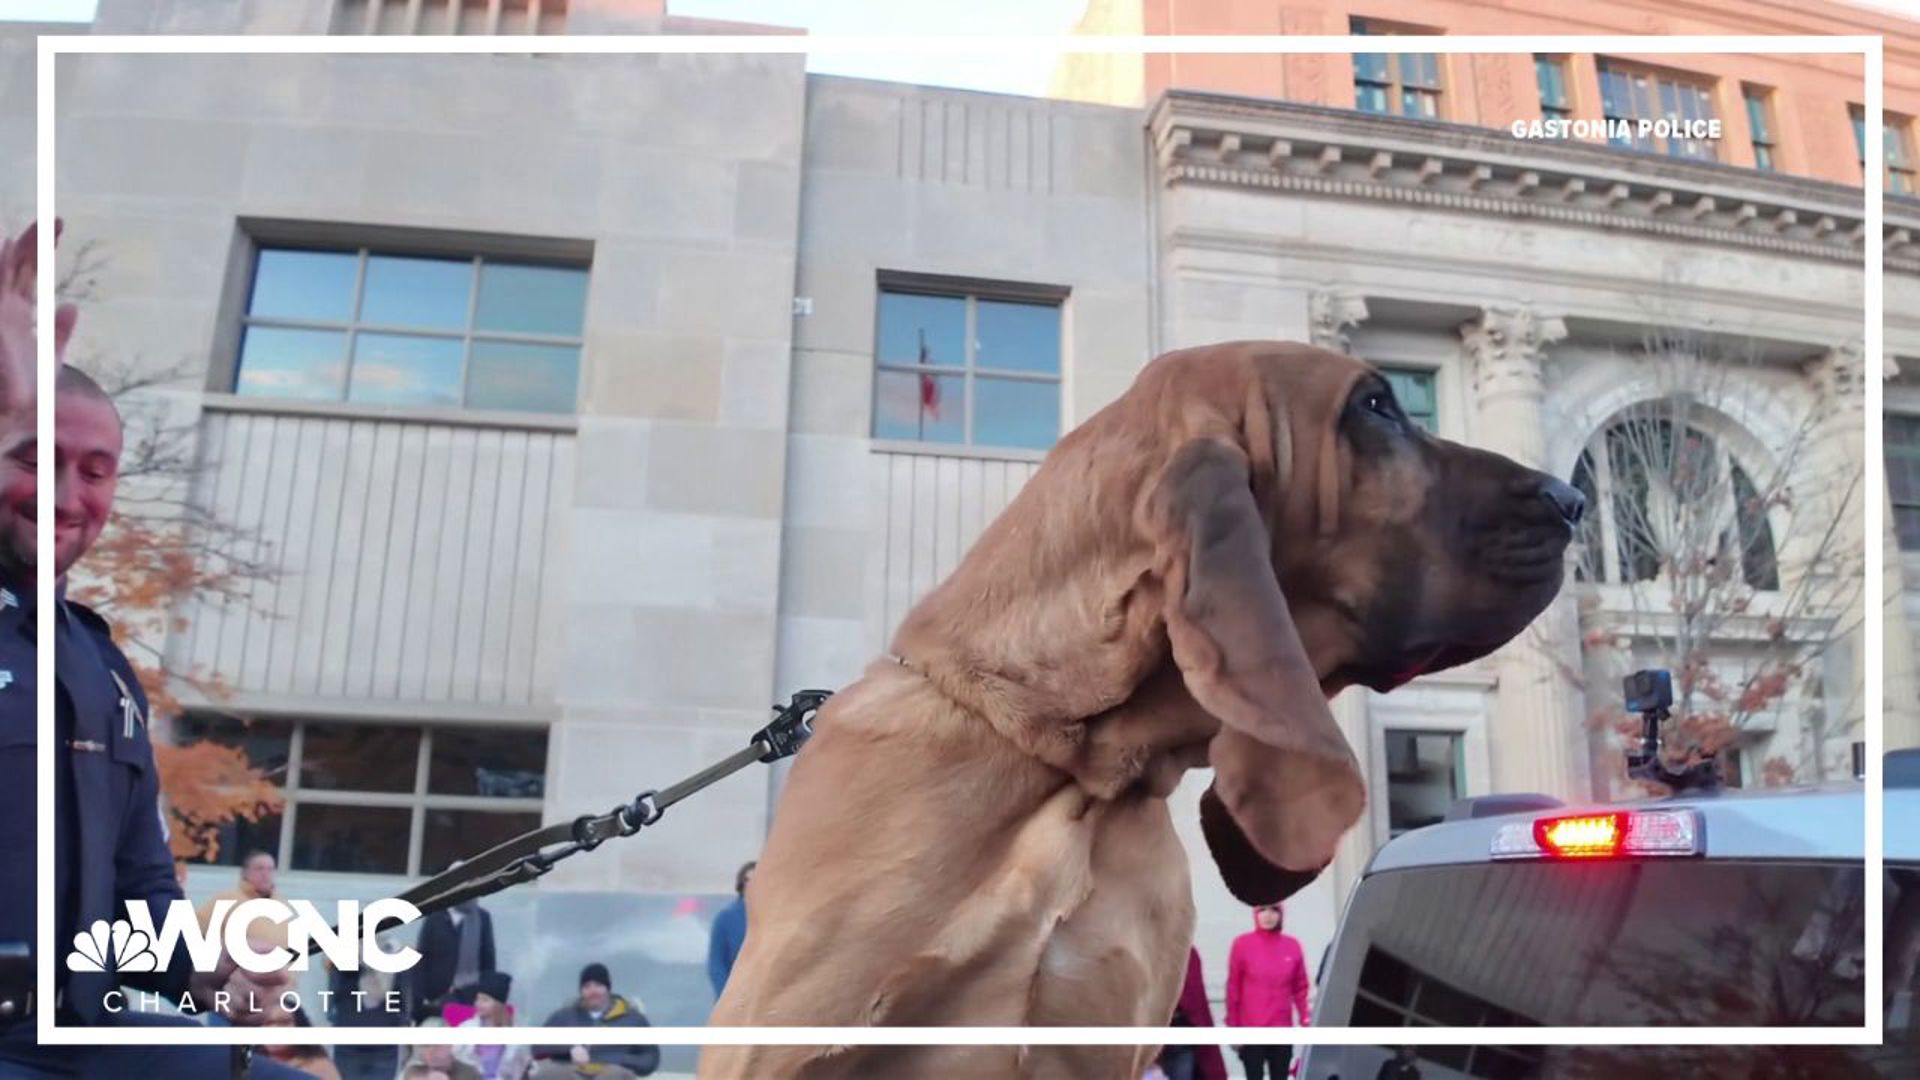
360, 792
407, 330
1630, 94
1683, 942
967, 369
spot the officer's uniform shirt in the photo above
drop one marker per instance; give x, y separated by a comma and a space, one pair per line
111, 843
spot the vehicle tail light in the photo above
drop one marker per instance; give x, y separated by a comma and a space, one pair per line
1619, 834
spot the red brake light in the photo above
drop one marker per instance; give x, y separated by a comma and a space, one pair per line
1620, 834
1586, 837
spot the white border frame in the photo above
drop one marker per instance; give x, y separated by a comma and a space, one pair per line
1868, 46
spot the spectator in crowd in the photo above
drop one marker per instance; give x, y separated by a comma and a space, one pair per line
456, 948
256, 883
1192, 1010
729, 933
1401, 1066
369, 1009
597, 1006
1266, 987
490, 1009
436, 1062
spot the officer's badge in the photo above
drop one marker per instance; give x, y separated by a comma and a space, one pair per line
130, 714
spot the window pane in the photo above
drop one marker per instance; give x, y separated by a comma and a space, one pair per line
1757, 118
1907, 519
1591, 566
922, 330
395, 369
462, 834
1372, 67
1421, 70
1017, 337
1423, 778
264, 745
1612, 93
1014, 413
311, 285
531, 299
358, 757
351, 839
305, 364
508, 764
1370, 98
428, 293
1420, 104
1414, 391
1758, 564
1552, 82
529, 378
925, 408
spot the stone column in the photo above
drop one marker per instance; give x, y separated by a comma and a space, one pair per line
1329, 314
1902, 705
1536, 736
1838, 450
1902, 710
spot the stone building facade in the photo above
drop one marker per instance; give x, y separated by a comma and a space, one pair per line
484, 616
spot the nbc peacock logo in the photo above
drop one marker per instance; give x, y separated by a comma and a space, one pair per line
115, 947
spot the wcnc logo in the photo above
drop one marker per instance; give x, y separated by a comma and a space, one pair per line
133, 944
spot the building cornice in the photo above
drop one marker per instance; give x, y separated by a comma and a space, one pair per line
1222, 140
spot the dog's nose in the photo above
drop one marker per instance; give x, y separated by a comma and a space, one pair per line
1565, 498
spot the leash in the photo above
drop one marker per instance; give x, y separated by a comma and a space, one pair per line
525, 858
530, 855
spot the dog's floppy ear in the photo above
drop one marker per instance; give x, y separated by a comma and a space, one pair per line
1286, 786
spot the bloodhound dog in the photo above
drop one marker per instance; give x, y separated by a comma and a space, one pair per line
978, 831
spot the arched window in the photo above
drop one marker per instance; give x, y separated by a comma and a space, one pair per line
1665, 495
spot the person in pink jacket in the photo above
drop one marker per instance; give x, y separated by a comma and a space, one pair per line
1266, 987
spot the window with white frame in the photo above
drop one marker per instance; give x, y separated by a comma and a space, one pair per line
1413, 388
971, 368
1426, 773
1663, 494
389, 328
1403, 84
375, 798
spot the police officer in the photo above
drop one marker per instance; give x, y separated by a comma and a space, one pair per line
110, 840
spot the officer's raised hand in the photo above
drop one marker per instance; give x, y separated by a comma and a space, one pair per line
19, 276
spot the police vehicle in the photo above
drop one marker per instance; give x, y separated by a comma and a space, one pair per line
1699, 909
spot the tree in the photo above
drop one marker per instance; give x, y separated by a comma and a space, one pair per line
161, 550
1736, 566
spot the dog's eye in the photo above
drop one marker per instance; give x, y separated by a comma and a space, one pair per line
1380, 403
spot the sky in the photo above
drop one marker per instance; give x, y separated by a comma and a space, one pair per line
1013, 74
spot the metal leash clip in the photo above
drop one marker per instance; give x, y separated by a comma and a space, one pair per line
792, 725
